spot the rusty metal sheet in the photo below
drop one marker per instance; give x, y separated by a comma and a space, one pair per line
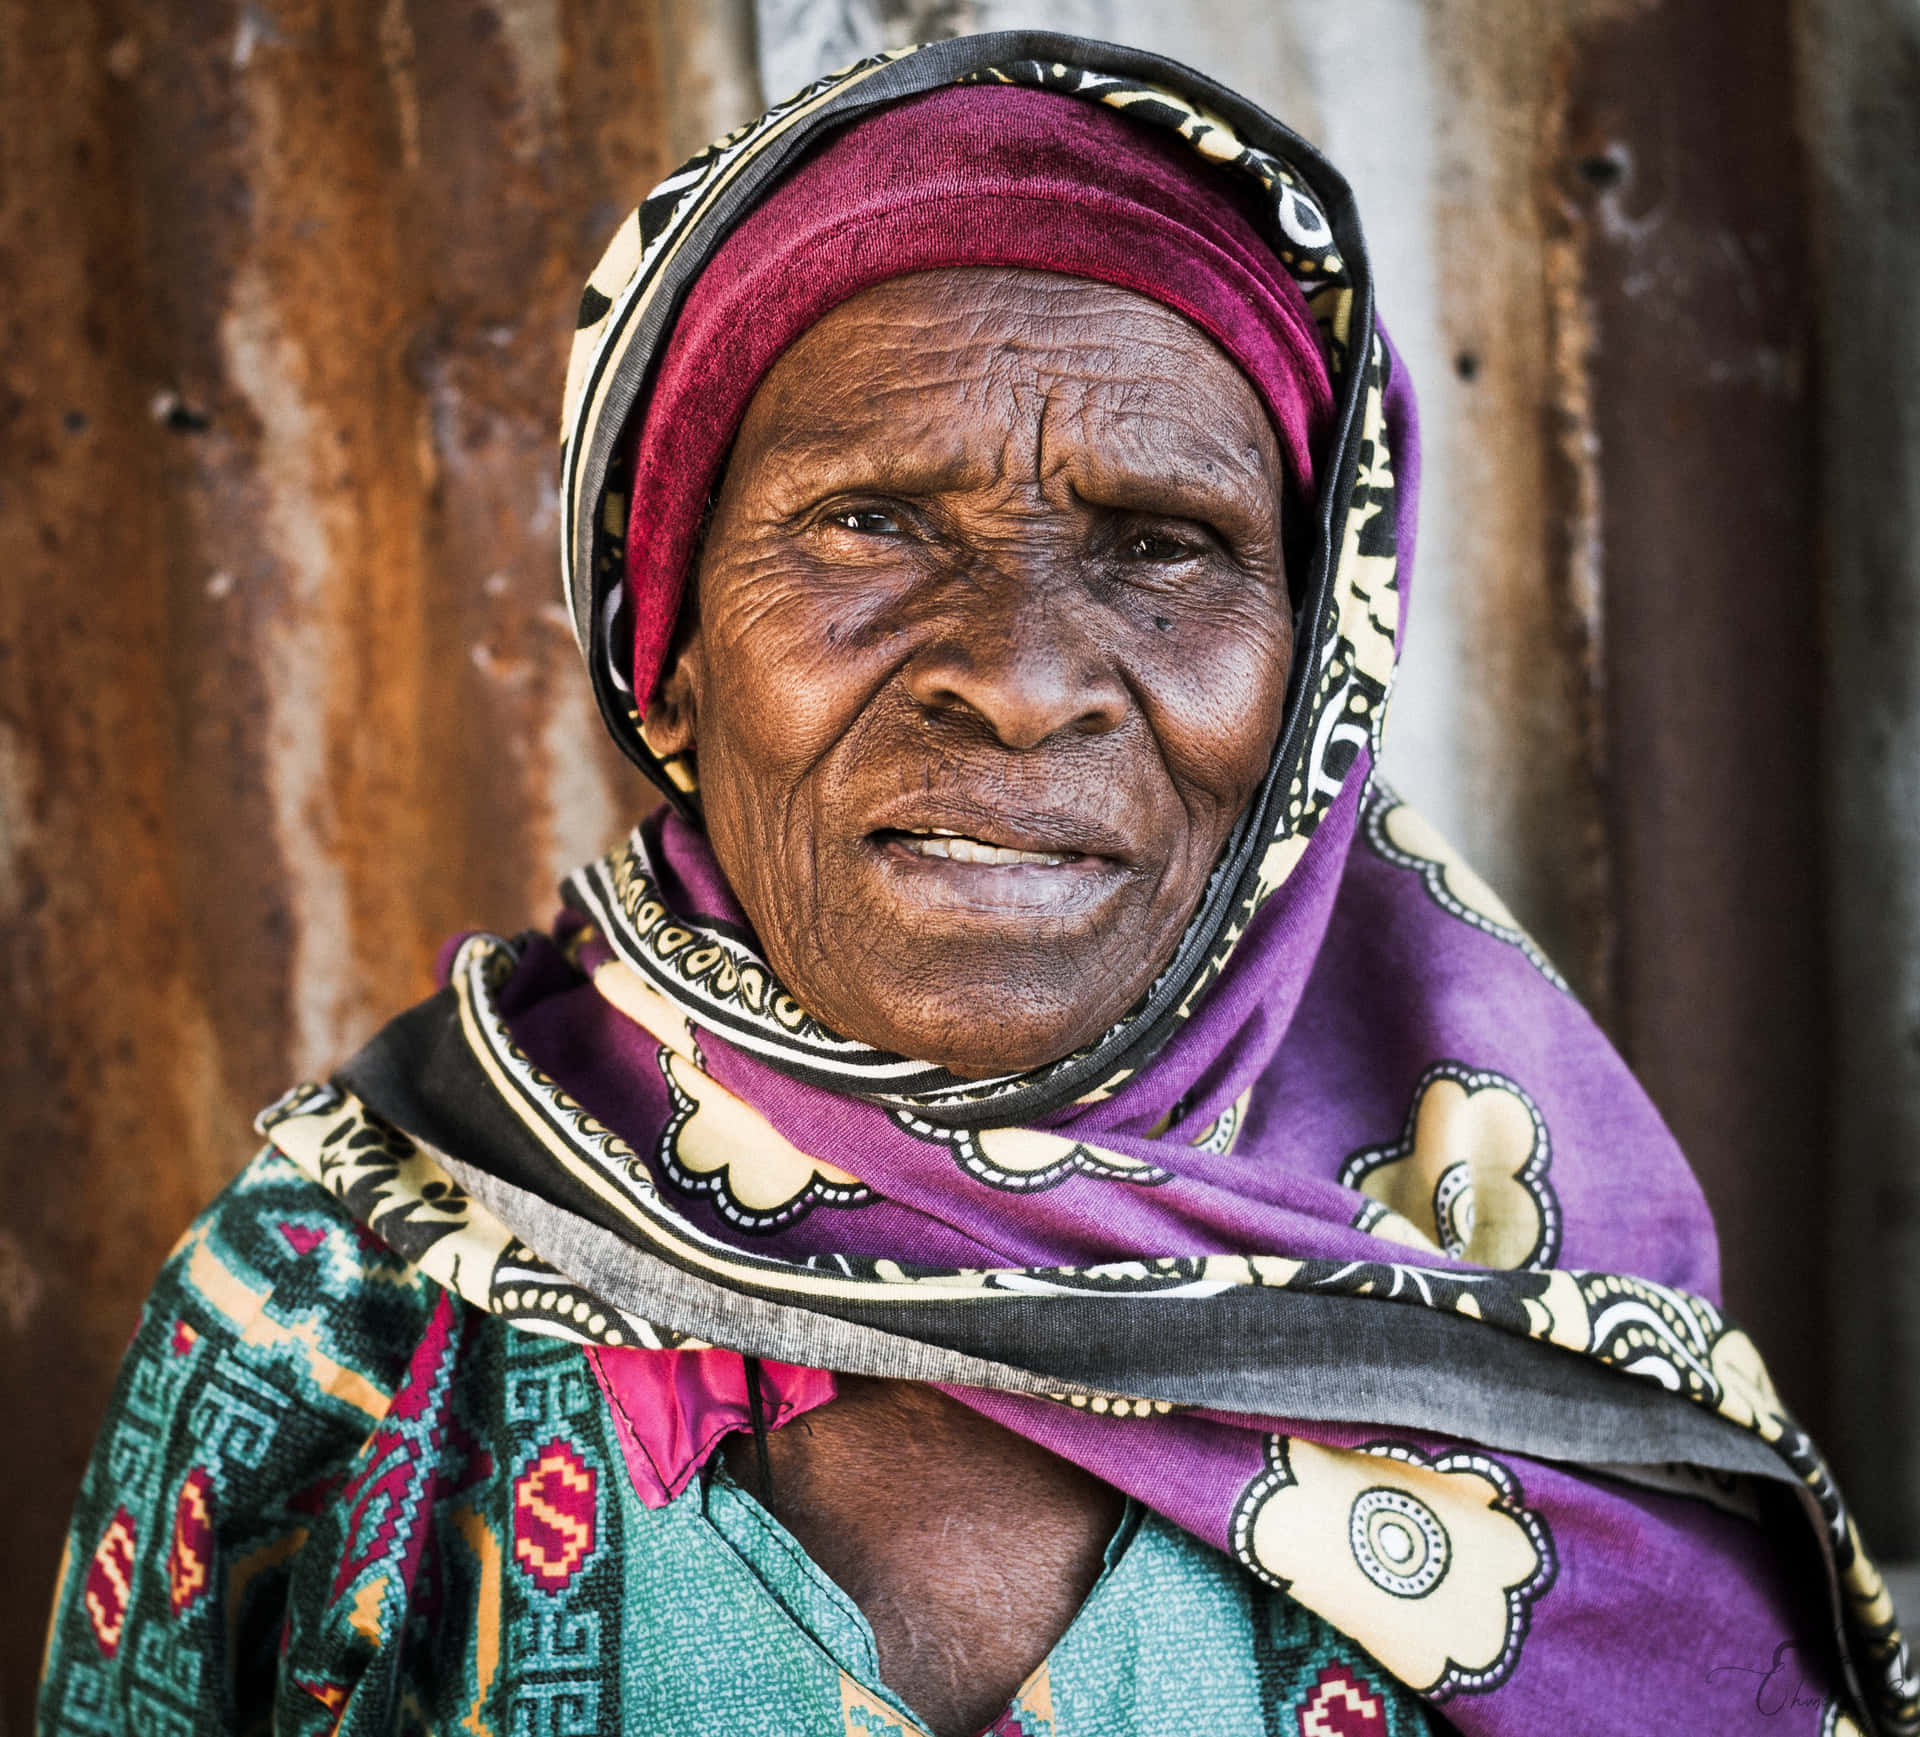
285, 692
1679, 185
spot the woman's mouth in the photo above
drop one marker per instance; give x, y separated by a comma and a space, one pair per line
958, 847
940, 869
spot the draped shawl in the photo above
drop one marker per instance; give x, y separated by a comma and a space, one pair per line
1353, 1248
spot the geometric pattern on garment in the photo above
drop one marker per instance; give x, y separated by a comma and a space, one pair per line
554, 1520
109, 1587
1342, 1705
192, 1549
386, 1502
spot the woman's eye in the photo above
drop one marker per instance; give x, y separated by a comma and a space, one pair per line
1152, 546
866, 521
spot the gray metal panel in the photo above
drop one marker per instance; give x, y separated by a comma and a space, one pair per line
1861, 80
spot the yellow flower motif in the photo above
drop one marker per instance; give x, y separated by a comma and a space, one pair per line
1219, 1136
1409, 841
717, 1144
1025, 1160
1378, 1219
1027, 1153
1433, 1565
1411, 833
1468, 1174
1222, 1134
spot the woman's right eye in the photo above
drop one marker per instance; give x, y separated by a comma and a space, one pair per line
867, 521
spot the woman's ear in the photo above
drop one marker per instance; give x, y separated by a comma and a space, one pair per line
670, 728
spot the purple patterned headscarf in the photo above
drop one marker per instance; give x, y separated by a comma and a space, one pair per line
1354, 1250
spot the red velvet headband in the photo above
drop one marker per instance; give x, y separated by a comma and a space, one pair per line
973, 175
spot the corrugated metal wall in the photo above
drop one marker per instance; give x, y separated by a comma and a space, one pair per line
285, 695
285, 691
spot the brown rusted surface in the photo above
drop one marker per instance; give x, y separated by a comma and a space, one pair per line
284, 692
1520, 522
1620, 242
1677, 181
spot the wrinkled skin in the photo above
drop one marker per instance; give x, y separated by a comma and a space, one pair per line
997, 555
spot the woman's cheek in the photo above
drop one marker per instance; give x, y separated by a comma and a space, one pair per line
776, 699
1216, 711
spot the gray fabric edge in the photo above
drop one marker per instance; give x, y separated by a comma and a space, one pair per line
644, 1285
1504, 1392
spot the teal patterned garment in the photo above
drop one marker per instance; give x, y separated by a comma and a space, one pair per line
1174, 1637
329, 1497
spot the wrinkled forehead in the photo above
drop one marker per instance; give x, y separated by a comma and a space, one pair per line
946, 378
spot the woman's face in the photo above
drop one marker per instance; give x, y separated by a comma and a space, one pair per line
989, 653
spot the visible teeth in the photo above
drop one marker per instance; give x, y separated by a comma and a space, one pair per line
955, 848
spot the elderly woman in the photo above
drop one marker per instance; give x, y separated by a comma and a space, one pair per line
1034, 1195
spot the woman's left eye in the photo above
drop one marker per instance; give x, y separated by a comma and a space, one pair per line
867, 521
1154, 547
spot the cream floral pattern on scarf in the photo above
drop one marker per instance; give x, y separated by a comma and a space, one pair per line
1408, 840
1469, 1172
714, 1144
1436, 1561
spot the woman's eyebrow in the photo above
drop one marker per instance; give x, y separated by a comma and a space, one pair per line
1240, 498
815, 462
1184, 493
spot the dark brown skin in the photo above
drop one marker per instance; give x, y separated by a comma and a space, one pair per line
997, 555
967, 1548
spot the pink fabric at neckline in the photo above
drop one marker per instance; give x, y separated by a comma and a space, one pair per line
973, 175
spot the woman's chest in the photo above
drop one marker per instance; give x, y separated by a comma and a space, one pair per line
967, 1548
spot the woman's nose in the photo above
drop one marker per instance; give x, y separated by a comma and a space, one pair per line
1017, 657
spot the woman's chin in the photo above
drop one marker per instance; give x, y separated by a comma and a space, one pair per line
963, 1015
983, 969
